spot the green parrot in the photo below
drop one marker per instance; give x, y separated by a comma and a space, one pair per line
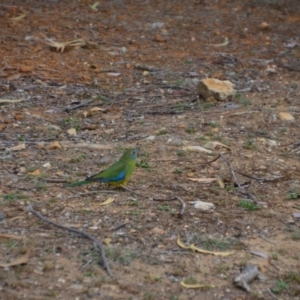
116, 174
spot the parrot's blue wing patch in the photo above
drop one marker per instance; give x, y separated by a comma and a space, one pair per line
120, 176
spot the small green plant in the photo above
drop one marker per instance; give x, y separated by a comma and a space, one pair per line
76, 127
250, 145
285, 153
88, 274
279, 287
164, 207
206, 105
188, 61
261, 132
295, 235
103, 99
179, 107
177, 171
14, 196
283, 129
78, 158
274, 255
134, 213
213, 124
121, 255
201, 138
190, 130
142, 164
293, 277
293, 194
190, 280
51, 293
243, 100
149, 296
162, 131
248, 205
212, 243
181, 153
71, 121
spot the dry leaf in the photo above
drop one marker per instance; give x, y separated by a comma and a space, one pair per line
35, 173
113, 74
108, 201
17, 148
221, 183
286, 116
54, 145
158, 230
11, 100
25, 69
97, 109
88, 113
11, 236
181, 244
205, 180
2, 127
19, 17
95, 6
61, 46
194, 248
107, 241
91, 146
14, 77
225, 43
197, 148
213, 145
19, 261
195, 286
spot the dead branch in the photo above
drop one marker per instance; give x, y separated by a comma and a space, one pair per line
82, 104
241, 189
174, 198
81, 233
259, 179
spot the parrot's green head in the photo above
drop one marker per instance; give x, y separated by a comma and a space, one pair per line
130, 154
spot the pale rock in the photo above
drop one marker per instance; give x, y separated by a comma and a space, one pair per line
175, 141
272, 143
205, 206
150, 138
72, 131
55, 127
218, 89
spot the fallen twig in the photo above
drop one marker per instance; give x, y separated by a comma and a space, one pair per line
242, 190
81, 233
269, 291
259, 179
161, 200
81, 104
265, 239
174, 198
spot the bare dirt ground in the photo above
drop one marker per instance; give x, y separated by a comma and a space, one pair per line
139, 69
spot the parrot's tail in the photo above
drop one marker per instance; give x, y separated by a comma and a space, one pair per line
78, 183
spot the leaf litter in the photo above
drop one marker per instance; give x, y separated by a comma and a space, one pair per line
138, 105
